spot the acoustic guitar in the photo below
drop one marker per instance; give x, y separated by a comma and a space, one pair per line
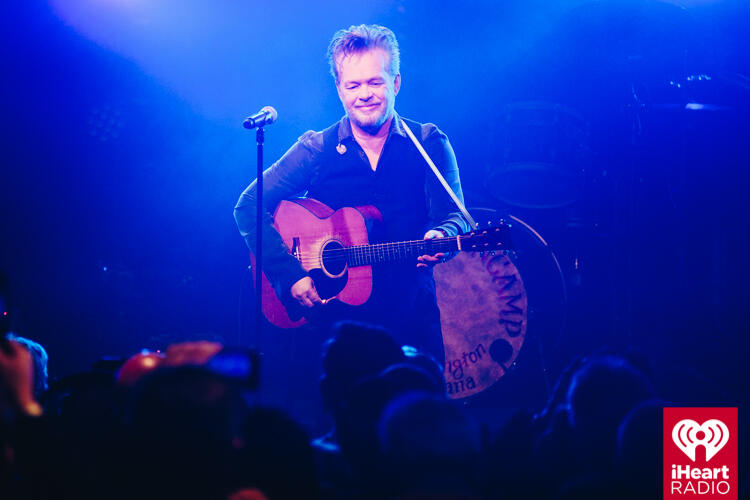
334, 248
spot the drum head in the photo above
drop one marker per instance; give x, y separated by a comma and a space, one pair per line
483, 311
490, 302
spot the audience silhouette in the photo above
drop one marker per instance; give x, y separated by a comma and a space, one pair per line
174, 425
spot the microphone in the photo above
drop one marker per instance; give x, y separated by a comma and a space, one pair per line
265, 116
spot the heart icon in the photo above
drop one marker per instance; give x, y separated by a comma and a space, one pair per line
712, 434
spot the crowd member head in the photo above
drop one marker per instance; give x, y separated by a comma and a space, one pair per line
16, 399
412, 377
639, 449
430, 445
577, 430
40, 358
355, 351
601, 392
508, 470
185, 422
365, 64
138, 366
247, 494
23, 363
275, 457
557, 403
425, 361
358, 416
17, 380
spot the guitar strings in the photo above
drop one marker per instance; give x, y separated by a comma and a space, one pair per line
403, 250
416, 245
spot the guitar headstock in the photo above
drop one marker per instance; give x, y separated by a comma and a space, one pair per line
488, 239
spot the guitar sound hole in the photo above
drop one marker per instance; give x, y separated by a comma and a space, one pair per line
334, 258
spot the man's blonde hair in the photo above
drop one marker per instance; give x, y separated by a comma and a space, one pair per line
358, 39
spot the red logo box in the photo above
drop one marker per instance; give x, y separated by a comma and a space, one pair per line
700, 453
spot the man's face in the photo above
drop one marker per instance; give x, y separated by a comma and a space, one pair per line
366, 89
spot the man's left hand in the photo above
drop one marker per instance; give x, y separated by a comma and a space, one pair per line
431, 260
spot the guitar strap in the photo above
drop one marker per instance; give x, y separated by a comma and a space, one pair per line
440, 177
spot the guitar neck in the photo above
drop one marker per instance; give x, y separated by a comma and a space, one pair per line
365, 255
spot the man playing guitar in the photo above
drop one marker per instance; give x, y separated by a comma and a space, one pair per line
366, 159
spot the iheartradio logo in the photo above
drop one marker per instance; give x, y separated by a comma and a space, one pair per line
712, 434
690, 473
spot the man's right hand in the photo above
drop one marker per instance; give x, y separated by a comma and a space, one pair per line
305, 293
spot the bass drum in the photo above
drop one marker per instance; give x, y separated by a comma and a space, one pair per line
493, 305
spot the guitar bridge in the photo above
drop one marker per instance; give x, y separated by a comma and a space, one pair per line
295, 248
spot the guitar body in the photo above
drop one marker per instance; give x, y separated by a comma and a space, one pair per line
333, 247
309, 227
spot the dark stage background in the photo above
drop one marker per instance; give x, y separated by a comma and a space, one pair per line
123, 155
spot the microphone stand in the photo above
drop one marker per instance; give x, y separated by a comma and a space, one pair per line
259, 138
